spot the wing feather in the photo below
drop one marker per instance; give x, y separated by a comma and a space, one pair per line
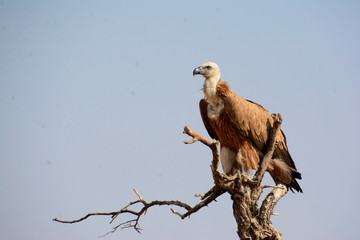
255, 122
250, 119
203, 110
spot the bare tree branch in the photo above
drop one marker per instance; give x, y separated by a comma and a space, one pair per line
253, 222
83, 218
269, 150
197, 137
200, 205
134, 223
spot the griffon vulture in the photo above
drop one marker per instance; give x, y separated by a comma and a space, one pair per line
243, 128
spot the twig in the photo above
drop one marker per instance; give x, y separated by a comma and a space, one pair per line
200, 205
197, 137
137, 193
208, 193
83, 218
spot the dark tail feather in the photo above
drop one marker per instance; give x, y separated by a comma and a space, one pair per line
294, 184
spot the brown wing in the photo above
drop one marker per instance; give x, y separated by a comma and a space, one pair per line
203, 110
251, 120
255, 122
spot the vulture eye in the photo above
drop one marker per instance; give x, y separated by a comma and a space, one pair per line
208, 67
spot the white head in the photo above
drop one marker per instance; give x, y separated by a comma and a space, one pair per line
211, 72
208, 70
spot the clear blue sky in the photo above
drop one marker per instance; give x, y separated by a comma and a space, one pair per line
94, 96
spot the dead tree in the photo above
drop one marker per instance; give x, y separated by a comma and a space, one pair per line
253, 222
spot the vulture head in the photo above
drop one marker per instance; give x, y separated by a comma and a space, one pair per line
208, 70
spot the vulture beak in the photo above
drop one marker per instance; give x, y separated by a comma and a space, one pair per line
197, 71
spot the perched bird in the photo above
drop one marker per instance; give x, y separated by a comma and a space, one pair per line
243, 128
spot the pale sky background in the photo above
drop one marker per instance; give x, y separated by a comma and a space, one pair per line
94, 96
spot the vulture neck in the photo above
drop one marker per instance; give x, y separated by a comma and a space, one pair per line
210, 86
